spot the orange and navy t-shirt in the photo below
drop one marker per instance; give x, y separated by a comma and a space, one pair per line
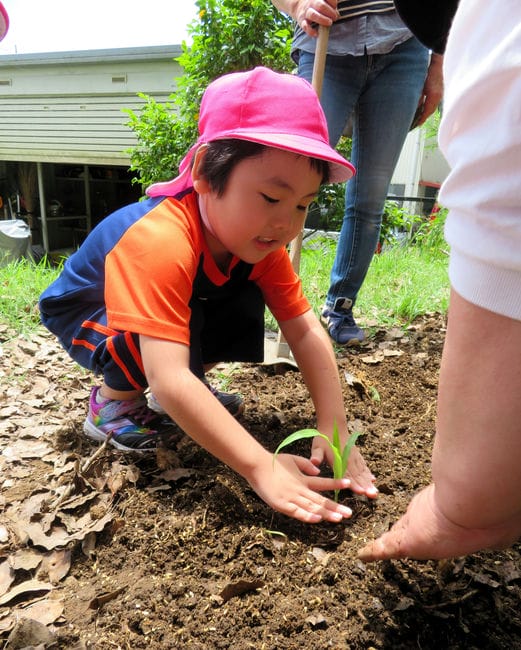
137, 272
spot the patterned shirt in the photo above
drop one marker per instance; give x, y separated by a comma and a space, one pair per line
363, 28
349, 9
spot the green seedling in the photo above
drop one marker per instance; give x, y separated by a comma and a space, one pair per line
340, 456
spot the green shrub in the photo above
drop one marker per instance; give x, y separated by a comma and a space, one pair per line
227, 36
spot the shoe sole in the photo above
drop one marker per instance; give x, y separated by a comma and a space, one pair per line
92, 432
352, 343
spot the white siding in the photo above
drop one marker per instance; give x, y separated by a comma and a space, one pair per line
69, 108
420, 163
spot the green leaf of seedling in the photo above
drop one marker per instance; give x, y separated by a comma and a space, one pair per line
340, 456
338, 467
298, 435
274, 532
347, 449
336, 438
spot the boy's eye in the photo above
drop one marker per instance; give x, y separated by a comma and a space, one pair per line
269, 199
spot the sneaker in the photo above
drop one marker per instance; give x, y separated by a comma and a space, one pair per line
340, 323
129, 422
232, 402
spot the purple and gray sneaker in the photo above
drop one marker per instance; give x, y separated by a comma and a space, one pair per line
131, 424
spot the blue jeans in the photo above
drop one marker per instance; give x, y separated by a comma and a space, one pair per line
381, 93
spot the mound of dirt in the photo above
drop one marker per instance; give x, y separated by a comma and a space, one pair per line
100, 549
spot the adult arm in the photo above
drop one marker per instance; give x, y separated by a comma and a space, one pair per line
474, 500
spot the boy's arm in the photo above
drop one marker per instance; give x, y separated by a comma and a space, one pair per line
290, 486
316, 360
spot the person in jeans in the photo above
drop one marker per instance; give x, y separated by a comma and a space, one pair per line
163, 289
380, 76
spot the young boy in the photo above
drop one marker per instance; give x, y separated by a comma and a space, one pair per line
163, 289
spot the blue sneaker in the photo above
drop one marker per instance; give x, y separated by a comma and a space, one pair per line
340, 323
130, 425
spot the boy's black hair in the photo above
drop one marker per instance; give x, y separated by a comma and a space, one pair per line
222, 156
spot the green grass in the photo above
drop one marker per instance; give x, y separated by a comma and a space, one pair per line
403, 282
21, 283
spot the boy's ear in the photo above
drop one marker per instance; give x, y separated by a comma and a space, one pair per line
201, 185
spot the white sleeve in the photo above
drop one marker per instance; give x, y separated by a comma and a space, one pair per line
480, 136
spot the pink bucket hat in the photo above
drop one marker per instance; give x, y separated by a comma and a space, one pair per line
271, 108
4, 21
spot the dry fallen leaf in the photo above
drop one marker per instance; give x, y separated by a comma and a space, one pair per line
88, 545
377, 357
27, 587
316, 620
320, 555
7, 576
240, 587
25, 558
176, 474
44, 611
56, 565
97, 602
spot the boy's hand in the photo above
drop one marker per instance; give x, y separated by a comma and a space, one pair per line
291, 486
361, 478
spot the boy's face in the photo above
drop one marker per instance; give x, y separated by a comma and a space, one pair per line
264, 205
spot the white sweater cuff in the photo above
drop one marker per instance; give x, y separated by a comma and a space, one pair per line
490, 287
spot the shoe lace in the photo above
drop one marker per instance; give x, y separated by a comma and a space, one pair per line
347, 317
142, 414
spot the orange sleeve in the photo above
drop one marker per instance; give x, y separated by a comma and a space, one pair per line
280, 286
150, 272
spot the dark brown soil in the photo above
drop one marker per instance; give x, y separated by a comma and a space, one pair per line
111, 551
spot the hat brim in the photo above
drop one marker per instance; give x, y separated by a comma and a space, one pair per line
4, 21
340, 169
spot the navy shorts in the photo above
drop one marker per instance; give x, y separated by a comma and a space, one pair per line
226, 327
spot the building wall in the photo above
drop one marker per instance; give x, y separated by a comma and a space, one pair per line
64, 112
421, 164
69, 107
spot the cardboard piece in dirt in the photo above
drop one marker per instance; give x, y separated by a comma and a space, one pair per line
428, 20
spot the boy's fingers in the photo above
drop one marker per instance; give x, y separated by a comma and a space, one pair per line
317, 456
306, 466
323, 484
307, 509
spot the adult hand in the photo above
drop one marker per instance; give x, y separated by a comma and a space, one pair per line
310, 13
432, 93
424, 532
291, 486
